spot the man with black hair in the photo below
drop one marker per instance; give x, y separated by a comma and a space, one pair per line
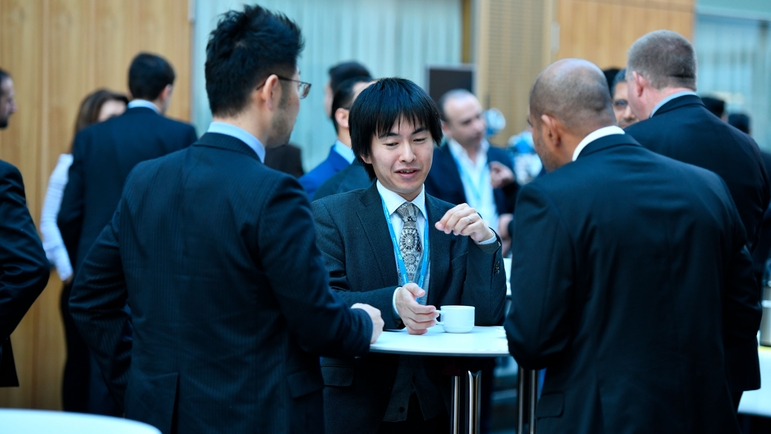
337, 75
716, 106
24, 268
437, 254
103, 156
341, 155
216, 254
618, 92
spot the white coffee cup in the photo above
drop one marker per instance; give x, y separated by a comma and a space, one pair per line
457, 319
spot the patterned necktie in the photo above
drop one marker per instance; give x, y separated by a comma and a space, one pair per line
409, 241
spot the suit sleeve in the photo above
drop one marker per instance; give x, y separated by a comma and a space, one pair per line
741, 301
70, 217
330, 241
542, 281
295, 268
98, 307
485, 284
192, 137
24, 268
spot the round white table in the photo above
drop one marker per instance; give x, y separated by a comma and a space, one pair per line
17, 421
480, 342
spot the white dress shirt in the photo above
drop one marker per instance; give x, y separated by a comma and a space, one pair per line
475, 176
344, 151
143, 103
52, 238
594, 135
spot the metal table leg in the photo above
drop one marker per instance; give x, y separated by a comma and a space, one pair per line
455, 399
474, 386
533, 398
521, 401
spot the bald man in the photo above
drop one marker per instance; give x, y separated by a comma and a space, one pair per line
629, 274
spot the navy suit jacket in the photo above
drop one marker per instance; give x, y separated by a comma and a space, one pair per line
685, 130
103, 155
352, 177
353, 236
312, 180
635, 327
444, 181
230, 305
23, 265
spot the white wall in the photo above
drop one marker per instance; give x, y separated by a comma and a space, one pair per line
390, 37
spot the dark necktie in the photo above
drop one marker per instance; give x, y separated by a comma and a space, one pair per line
409, 241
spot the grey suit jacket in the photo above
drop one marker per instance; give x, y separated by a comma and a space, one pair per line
353, 236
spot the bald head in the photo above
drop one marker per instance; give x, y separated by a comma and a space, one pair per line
575, 92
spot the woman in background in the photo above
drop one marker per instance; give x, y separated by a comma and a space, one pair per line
96, 107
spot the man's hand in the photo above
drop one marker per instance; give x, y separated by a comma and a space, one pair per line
500, 175
374, 315
415, 316
464, 220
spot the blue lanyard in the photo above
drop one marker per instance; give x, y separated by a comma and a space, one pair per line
476, 188
403, 277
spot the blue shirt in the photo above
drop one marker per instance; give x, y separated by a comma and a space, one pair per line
670, 98
143, 103
240, 134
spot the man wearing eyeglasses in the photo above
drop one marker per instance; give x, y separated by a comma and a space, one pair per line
216, 255
621, 108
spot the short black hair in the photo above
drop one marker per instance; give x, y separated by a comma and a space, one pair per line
148, 75
741, 121
384, 103
345, 71
620, 76
715, 105
4, 75
610, 76
244, 49
344, 96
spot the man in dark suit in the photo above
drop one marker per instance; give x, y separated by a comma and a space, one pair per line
23, 264
216, 256
103, 156
105, 153
467, 169
353, 177
661, 72
341, 155
630, 276
444, 255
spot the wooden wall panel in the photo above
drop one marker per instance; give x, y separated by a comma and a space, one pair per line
603, 30
57, 51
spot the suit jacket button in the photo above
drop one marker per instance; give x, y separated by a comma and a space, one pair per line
497, 267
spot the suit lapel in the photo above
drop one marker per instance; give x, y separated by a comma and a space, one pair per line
439, 245
375, 228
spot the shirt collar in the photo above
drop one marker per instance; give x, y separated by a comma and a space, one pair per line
393, 200
344, 151
142, 103
670, 98
240, 134
594, 135
457, 150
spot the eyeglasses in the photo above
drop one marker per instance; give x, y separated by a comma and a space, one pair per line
303, 88
620, 104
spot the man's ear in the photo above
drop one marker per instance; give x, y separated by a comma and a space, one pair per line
165, 94
445, 129
550, 130
637, 84
366, 159
341, 117
270, 92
